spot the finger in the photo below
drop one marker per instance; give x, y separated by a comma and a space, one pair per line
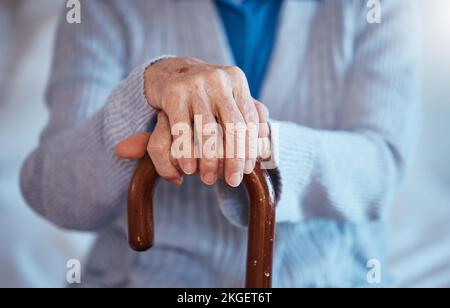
182, 132
244, 101
231, 121
263, 113
134, 147
221, 152
159, 150
264, 143
206, 139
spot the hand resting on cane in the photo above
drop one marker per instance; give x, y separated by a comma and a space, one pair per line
158, 145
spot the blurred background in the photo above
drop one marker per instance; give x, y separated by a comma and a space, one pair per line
33, 253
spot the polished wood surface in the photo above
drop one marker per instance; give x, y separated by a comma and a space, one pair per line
261, 219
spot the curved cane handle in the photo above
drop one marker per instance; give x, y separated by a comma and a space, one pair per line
261, 221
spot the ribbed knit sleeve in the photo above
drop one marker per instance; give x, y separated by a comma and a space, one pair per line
73, 178
352, 172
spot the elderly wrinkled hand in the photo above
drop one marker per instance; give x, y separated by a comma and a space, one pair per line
185, 90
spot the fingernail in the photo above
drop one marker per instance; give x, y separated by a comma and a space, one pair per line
249, 166
235, 179
209, 178
188, 168
177, 181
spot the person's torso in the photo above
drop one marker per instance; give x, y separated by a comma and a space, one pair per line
304, 84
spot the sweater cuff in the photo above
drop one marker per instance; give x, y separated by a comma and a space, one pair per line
127, 110
293, 151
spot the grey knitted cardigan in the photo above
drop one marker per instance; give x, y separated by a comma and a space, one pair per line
342, 91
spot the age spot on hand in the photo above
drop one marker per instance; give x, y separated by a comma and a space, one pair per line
183, 70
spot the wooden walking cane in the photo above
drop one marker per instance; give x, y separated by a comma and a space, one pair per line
261, 219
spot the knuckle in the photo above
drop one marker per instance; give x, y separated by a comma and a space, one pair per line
196, 81
249, 109
216, 74
262, 110
235, 72
236, 164
155, 148
174, 89
171, 92
252, 129
166, 173
258, 106
209, 164
254, 116
240, 124
162, 125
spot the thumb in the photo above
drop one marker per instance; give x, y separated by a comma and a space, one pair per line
134, 147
